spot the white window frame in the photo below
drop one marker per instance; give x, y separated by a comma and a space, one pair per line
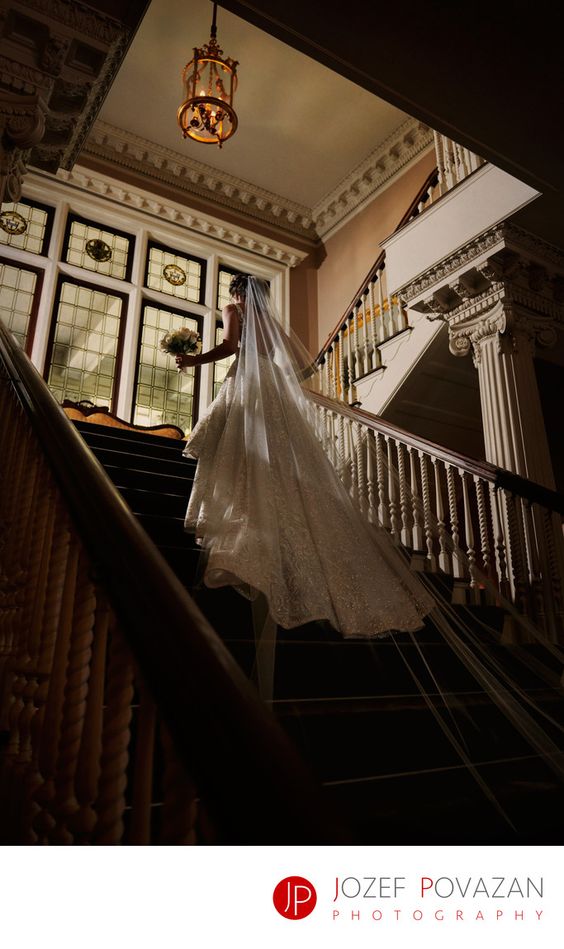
144, 227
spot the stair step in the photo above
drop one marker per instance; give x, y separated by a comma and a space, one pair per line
353, 707
165, 531
141, 440
143, 501
344, 740
446, 805
123, 458
150, 480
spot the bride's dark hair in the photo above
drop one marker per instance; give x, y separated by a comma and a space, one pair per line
238, 285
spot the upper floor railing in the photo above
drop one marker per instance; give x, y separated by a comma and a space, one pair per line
454, 162
375, 314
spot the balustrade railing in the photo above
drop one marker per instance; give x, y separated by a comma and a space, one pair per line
123, 718
374, 316
454, 162
494, 534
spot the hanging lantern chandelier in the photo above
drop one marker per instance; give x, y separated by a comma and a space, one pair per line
210, 79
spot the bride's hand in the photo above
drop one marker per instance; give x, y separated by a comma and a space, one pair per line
184, 361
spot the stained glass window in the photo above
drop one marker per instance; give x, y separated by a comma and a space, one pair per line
162, 394
17, 294
85, 343
96, 248
221, 367
225, 277
26, 226
174, 273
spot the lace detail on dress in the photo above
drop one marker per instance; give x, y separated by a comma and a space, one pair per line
296, 537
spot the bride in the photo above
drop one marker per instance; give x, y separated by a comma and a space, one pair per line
267, 505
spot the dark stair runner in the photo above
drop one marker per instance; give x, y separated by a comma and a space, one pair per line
352, 706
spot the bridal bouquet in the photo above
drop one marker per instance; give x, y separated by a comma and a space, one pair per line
181, 342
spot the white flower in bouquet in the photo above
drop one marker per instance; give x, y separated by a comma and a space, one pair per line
182, 342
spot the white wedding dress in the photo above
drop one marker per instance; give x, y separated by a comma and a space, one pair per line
272, 513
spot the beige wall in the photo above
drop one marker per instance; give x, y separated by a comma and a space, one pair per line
348, 255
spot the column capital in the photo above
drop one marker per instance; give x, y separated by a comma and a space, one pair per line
506, 285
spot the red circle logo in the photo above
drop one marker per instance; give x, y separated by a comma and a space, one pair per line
294, 897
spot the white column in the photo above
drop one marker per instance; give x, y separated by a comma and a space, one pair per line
514, 431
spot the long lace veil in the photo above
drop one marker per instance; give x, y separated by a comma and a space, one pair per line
247, 522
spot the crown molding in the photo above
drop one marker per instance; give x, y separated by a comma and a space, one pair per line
136, 199
390, 157
503, 235
129, 151
123, 149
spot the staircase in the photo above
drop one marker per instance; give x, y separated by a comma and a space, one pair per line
353, 707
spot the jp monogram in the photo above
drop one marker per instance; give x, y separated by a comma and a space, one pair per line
294, 897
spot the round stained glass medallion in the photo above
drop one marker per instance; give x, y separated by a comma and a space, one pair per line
98, 250
174, 274
13, 223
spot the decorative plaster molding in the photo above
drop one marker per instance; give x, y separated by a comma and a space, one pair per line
130, 151
80, 17
451, 264
406, 143
129, 197
505, 298
154, 161
504, 235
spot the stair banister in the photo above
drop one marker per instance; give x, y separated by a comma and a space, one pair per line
254, 784
499, 525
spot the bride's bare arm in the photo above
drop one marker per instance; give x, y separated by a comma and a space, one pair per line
228, 347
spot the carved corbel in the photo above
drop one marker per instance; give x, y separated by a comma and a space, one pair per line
22, 125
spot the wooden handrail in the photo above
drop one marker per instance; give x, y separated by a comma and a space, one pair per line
500, 477
253, 782
431, 179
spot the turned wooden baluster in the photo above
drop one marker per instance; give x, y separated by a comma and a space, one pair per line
44, 822
483, 521
383, 511
517, 559
405, 498
370, 483
351, 459
368, 363
341, 442
27, 680
65, 804
382, 304
116, 737
439, 154
349, 391
52, 621
395, 521
83, 822
358, 367
468, 530
418, 537
458, 563
541, 598
427, 513
375, 326
361, 468
342, 393
444, 553
140, 831
499, 544
180, 808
